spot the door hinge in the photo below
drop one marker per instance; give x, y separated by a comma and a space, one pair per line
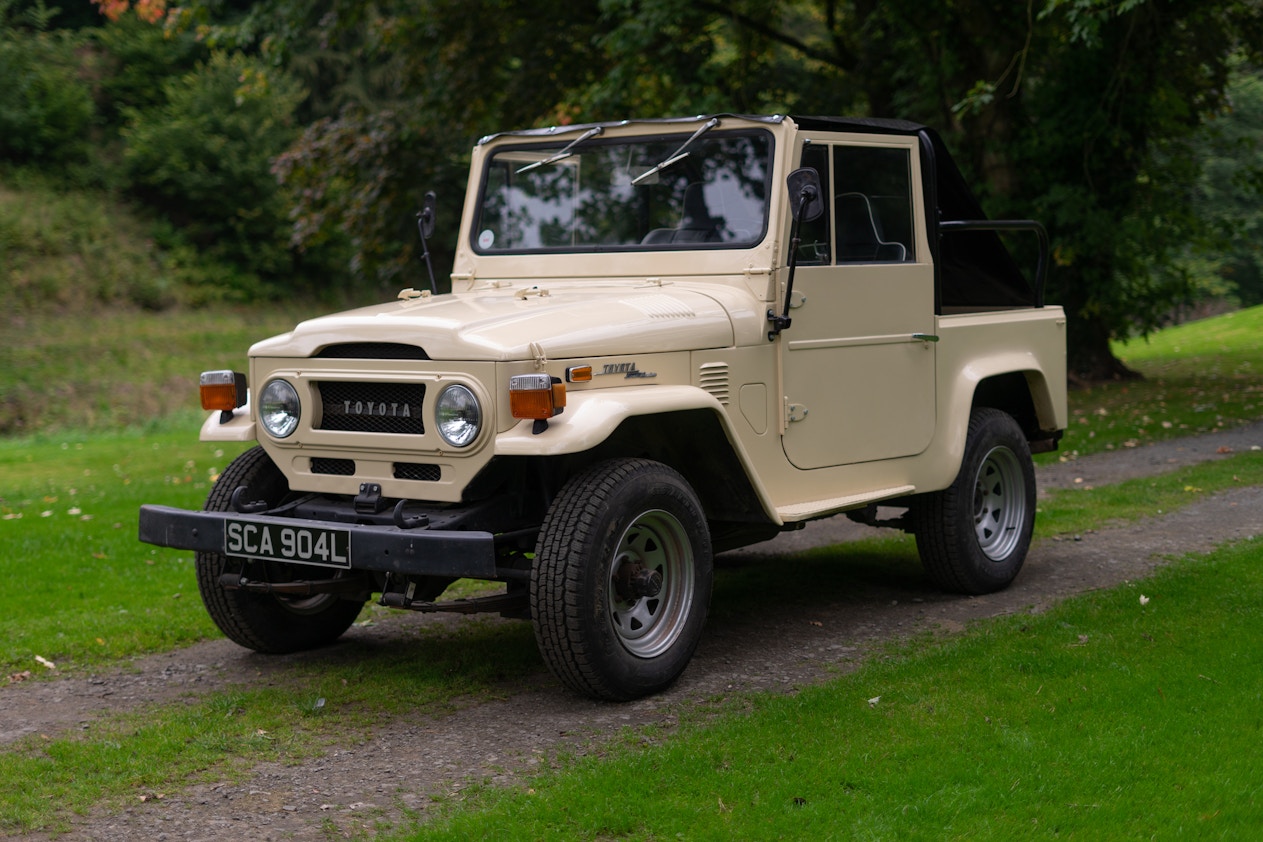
795, 411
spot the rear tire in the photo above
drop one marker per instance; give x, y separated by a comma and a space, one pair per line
622, 580
974, 535
263, 622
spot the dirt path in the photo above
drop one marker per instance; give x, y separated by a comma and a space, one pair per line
795, 639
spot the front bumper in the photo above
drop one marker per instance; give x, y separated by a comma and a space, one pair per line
419, 552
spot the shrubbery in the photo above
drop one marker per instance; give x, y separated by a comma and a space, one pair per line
46, 111
136, 165
203, 159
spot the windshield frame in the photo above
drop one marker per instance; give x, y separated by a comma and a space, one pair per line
545, 147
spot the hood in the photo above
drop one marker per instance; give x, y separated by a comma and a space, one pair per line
511, 324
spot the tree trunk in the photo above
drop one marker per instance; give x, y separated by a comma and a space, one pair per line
1090, 358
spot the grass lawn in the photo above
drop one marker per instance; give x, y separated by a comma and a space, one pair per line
1130, 713
116, 368
1199, 377
117, 599
82, 589
1103, 715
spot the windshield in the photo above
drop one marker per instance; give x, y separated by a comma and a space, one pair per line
713, 196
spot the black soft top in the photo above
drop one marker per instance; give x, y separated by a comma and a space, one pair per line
973, 265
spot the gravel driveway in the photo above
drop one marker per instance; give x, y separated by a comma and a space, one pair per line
790, 643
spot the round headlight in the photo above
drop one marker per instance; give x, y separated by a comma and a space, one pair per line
279, 408
458, 416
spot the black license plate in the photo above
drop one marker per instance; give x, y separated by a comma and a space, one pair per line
283, 542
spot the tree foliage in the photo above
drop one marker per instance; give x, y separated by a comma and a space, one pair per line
204, 158
1081, 113
45, 110
404, 98
1109, 120
1229, 196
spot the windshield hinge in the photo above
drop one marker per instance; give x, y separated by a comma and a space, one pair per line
541, 359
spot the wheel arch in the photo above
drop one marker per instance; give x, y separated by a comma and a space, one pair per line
1025, 396
695, 443
680, 426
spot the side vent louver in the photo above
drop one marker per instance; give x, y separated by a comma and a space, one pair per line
713, 378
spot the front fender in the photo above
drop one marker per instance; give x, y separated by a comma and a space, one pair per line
591, 417
240, 428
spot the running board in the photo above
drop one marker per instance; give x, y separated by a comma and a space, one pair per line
822, 508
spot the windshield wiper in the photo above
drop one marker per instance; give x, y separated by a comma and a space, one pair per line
566, 152
679, 153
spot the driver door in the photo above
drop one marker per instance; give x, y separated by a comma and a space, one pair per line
859, 383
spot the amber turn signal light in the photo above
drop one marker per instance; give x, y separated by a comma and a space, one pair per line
536, 396
223, 390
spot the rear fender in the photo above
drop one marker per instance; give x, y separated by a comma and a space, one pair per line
970, 382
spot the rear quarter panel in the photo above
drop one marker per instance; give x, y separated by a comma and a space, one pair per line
975, 346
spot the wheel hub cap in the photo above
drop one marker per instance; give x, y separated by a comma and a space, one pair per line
999, 505
651, 584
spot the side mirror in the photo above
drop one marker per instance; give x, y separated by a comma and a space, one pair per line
426, 217
425, 227
805, 202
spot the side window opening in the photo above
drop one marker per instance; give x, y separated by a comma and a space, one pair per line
872, 202
814, 248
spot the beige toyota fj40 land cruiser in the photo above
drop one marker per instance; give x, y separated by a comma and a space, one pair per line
665, 339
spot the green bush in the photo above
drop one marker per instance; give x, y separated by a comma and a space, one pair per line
203, 158
46, 110
136, 57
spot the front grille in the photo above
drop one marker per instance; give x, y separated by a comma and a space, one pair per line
372, 407
372, 351
418, 471
337, 467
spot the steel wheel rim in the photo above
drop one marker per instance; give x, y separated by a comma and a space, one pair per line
999, 504
648, 625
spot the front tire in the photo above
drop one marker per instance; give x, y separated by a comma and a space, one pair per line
974, 535
263, 622
622, 580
